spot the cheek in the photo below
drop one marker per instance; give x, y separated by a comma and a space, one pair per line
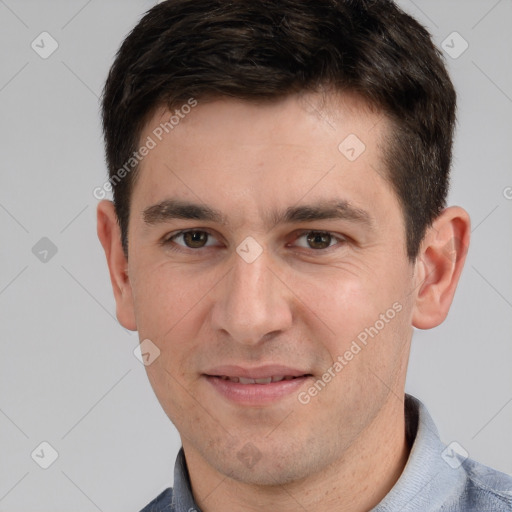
357, 312
170, 312
364, 331
174, 392
344, 300
165, 296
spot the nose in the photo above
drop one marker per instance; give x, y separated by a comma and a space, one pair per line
252, 304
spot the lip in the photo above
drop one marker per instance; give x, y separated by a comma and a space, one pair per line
260, 372
256, 394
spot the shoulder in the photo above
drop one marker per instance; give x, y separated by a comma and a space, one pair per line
486, 489
162, 503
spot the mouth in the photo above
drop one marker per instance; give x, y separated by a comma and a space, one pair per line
265, 380
256, 386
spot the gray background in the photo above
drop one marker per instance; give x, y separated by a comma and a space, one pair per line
68, 373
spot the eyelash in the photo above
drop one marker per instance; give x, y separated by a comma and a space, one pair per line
171, 245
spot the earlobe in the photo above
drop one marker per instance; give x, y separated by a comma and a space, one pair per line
439, 265
109, 234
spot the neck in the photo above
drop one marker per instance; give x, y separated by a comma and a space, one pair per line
356, 482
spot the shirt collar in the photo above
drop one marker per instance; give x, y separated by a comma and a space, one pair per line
182, 499
427, 479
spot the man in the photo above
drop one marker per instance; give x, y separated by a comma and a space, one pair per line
279, 226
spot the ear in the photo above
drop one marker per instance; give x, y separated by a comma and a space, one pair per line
109, 234
439, 265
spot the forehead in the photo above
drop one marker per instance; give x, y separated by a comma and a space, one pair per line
247, 155
306, 119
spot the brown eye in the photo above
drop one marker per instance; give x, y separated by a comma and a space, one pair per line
319, 240
195, 239
191, 239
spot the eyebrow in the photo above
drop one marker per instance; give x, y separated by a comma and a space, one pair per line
170, 209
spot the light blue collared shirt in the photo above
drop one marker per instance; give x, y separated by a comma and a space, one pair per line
435, 478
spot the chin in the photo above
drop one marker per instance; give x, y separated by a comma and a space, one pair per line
264, 463
262, 474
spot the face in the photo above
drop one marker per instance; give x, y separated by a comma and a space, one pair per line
263, 246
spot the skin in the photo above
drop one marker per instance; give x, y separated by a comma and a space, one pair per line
296, 305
